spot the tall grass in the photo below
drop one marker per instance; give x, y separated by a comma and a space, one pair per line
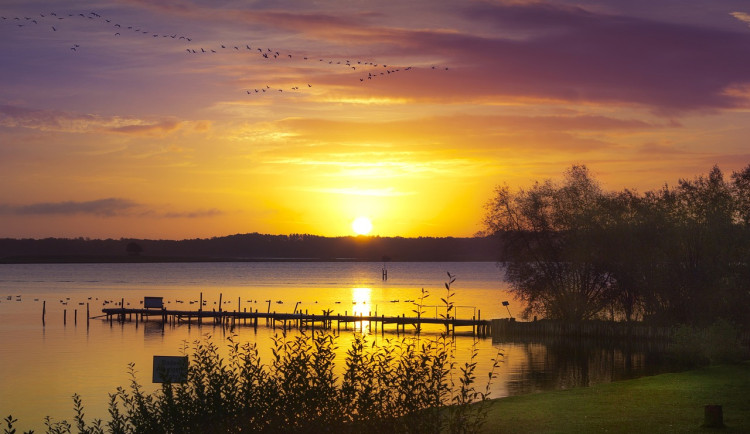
412, 384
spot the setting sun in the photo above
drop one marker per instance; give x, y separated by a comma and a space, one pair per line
362, 225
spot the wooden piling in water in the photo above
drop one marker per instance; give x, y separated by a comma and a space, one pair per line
200, 308
44, 312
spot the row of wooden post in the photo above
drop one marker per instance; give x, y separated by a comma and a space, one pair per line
65, 315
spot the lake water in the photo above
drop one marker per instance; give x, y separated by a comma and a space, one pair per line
42, 366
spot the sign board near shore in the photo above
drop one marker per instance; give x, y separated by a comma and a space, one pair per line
172, 369
153, 302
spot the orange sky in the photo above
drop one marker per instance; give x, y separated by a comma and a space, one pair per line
125, 119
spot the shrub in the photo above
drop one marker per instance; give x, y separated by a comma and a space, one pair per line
718, 343
722, 343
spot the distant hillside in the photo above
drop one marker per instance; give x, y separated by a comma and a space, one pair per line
249, 247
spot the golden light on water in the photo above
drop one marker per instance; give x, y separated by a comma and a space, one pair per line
362, 305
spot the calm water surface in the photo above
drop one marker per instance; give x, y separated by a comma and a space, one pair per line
42, 366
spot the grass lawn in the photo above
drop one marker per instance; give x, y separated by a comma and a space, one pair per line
667, 403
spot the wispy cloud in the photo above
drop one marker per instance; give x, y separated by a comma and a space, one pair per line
60, 121
108, 207
213, 212
380, 192
742, 16
155, 128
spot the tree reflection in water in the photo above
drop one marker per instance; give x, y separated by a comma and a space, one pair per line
567, 363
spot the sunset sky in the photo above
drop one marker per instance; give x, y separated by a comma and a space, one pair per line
129, 119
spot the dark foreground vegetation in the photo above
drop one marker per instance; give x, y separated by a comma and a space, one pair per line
401, 386
679, 255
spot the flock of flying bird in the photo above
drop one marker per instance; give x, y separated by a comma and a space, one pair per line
367, 70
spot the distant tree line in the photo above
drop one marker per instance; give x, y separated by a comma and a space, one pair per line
676, 255
251, 246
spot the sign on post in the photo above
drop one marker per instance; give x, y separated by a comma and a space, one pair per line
153, 302
170, 369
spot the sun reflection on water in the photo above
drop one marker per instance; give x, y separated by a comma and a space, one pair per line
362, 305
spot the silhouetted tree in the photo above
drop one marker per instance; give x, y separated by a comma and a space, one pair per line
133, 249
679, 255
549, 235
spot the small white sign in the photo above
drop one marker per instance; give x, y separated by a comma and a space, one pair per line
172, 369
153, 302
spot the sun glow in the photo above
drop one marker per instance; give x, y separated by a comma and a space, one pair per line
362, 225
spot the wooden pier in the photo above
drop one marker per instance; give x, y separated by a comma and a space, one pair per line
326, 321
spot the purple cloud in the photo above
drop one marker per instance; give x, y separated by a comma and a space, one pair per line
108, 207
573, 54
553, 52
101, 207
